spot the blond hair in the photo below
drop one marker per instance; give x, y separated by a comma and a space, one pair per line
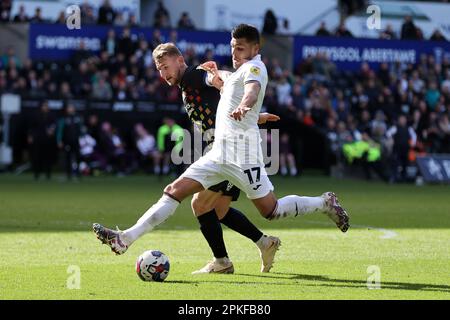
165, 49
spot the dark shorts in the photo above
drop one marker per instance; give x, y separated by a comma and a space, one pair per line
227, 189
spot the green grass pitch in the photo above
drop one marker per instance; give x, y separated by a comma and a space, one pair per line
45, 227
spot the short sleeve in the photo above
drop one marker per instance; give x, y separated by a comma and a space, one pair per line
254, 72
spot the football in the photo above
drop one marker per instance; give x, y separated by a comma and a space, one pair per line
152, 265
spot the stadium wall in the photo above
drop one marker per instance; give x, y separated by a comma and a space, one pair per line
16, 36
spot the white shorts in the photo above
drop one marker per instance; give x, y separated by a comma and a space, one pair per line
252, 180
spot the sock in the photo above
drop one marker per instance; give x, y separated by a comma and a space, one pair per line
261, 242
157, 214
212, 231
292, 206
293, 171
237, 221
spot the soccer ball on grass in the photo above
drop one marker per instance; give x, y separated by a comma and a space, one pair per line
152, 265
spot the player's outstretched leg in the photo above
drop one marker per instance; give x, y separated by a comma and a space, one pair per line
114, 239
119, 241
293, 206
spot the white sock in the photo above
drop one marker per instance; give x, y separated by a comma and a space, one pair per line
260, 242
292, 206
157, 214
293, 171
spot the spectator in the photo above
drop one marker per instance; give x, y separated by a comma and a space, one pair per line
89, 158
287, 159
403, 138
388, 34
185, 22
93, 128
101, 89
37, 18
270, 23
5, 10
68, 135
156, 39
283, 91
132, 21
65, 92
113, 148
10, 57
106, 14
161, 17
432, 95
173, 36
82, 54
437, 36
21, 16
87, 16
119, 20
126, 45
148, 151
41, 139
409, 29
165, 142
81, 81
110, 44
342, 31
444, 133
61, 18
323, 31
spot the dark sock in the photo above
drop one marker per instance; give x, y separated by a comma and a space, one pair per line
212, 231
237, 221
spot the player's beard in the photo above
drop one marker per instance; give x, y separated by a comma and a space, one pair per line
177, 79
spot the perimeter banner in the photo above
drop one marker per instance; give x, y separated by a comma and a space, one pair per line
57, 42
349, 53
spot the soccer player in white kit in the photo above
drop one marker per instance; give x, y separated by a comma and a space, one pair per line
236, 154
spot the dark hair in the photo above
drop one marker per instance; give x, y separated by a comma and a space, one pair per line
246, 31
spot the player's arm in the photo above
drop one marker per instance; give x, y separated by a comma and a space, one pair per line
215, 77
251, 92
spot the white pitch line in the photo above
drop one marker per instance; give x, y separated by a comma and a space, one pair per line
387, 234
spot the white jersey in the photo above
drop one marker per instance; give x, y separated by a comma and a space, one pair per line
239, 142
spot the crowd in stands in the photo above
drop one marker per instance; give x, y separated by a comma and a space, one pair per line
89, 146
105, 15
379, 119
397, 111
408, 31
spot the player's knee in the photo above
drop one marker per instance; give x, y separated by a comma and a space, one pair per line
171, 191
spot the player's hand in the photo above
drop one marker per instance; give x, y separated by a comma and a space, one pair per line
239, 113
213, 74
267, 117
210, 66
